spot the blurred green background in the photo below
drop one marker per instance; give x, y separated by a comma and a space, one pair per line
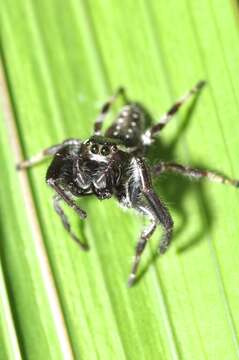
62, 60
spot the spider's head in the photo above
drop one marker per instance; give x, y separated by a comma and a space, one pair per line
100, 148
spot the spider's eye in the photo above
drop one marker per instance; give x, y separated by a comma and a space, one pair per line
114, 148
94, 149
105, 150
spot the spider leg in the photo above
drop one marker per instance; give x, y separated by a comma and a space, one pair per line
104, 110
66, 197
38, 157
193, 173
153, 207
50, 151
148, 136
65, 222
144, 237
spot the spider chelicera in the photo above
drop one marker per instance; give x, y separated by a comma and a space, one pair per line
113, 164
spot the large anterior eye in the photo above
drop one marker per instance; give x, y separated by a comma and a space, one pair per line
105, 150
114, 148
94, 149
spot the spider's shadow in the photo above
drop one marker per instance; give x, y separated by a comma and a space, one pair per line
175, 187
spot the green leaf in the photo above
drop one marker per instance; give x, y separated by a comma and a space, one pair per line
60, 62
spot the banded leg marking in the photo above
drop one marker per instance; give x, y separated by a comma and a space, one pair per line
148, 136
105, 109
145, 236
194, 173
50, 151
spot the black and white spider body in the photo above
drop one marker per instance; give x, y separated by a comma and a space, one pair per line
113, 164
129, 127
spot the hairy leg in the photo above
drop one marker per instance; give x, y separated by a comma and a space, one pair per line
65, 222
148, 136
50, 151
144, 237
104, 110
156, 210
67, 198
193, 173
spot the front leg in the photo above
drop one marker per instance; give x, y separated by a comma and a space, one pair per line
193, 173
63, 195
65, 222
66, 197
144, 237
150, 205
161, 212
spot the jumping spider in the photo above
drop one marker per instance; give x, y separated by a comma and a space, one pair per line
113, 165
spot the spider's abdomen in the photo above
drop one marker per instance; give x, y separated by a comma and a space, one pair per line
128, 126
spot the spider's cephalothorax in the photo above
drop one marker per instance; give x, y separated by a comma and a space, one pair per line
113, 165
90, 167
